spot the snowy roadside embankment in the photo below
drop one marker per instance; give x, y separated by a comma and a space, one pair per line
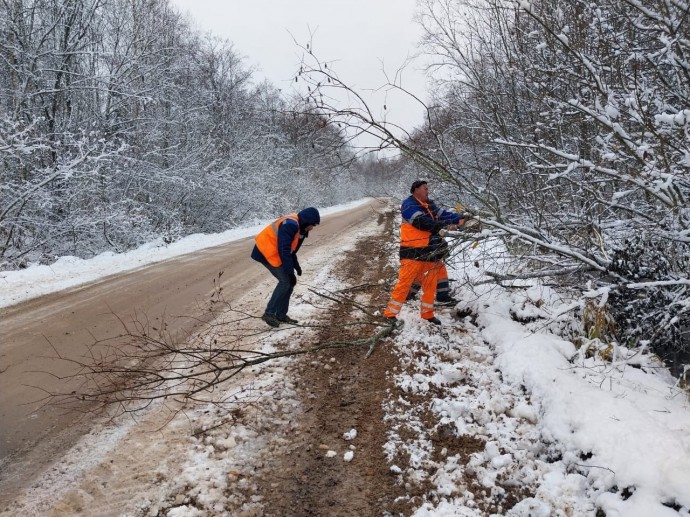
556, 431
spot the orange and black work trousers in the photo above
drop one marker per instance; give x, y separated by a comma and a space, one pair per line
410, 270
442, 288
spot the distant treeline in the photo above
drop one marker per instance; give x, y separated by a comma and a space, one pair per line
120, 123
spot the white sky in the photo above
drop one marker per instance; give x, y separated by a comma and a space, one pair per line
361, 37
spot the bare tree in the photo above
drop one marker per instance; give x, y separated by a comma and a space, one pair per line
146, 364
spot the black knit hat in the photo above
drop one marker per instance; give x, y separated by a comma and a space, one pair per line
416, 185
309, 216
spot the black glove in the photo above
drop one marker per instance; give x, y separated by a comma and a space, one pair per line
293, 280
298, 269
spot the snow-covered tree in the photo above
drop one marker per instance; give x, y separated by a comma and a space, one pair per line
581, 108
120, 123
563, 124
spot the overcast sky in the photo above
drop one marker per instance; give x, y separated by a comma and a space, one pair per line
360, 37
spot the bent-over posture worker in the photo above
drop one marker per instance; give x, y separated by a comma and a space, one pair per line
422, 249
276, 248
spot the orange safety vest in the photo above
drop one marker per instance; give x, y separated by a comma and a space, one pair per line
267, 240
411, 237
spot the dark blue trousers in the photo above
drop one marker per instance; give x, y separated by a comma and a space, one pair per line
280, 299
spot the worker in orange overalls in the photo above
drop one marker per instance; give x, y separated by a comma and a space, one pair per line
276, 248
422, 249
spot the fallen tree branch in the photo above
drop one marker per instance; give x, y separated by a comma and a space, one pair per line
146, 363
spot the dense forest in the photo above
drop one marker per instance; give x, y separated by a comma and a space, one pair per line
120, 124
563, 124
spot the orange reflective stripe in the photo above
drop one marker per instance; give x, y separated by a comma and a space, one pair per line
394, 306
267, 240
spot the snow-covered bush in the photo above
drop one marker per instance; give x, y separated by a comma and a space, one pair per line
565, 125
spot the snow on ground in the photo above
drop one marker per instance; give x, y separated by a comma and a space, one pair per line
579, 433
560, 431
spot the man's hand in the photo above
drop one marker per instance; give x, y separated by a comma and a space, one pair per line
293, 280
298, 270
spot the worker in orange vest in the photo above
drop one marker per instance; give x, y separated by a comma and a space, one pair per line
422, 249
276, 248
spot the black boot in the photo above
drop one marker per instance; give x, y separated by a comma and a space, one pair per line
448, 302
433, 320
287, 319
271, 320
